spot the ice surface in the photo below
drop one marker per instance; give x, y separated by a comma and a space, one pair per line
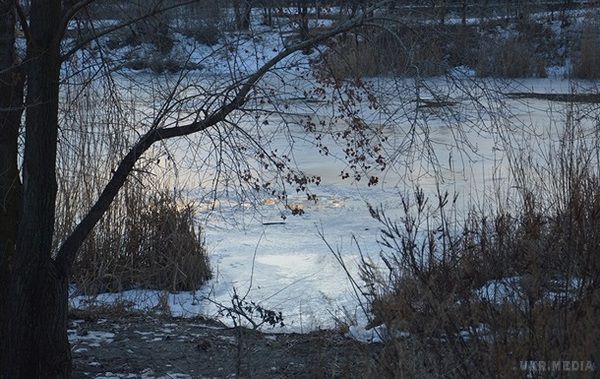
289, 268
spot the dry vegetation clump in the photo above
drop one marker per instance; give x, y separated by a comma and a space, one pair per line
587, 65
425, 50
147, 241
431, 50
525, 52
205, 21
149, 237
511, 58
477, 299
492, 49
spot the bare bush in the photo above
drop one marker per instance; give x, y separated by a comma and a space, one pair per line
205, 21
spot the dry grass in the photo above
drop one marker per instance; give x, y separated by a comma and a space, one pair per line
540, 266
431, 50
147, 241
587, 66
149, 237
424, 50
526, 53
512, 58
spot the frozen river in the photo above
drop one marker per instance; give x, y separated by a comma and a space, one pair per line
289, 267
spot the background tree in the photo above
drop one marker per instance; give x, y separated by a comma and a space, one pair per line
10, 183
243, 12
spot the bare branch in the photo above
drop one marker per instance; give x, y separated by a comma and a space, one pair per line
68, 16
74, 9
69, 249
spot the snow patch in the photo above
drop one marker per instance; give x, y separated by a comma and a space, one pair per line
373, 335
90, 337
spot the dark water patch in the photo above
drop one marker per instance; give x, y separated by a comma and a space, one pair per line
593, 98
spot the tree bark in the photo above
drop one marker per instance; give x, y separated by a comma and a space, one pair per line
34, 331
11, 105
11, 97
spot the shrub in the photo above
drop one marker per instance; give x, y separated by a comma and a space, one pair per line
475, 299
204, 20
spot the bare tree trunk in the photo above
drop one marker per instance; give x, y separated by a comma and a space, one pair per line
247, 15
442, 12
10, 184
34, 331
243, 13
11, 105
268, 14
303, 19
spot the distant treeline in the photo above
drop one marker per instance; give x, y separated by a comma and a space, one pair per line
436, 8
